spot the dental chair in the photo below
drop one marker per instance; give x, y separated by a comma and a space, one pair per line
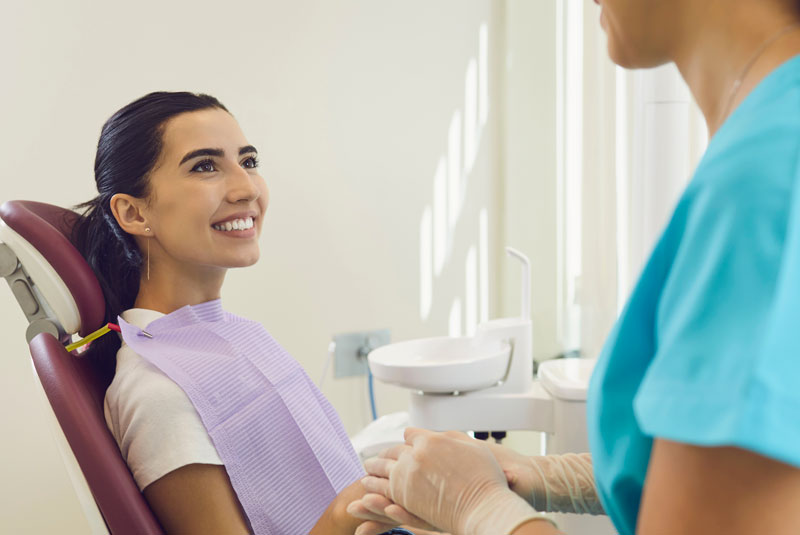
60, 296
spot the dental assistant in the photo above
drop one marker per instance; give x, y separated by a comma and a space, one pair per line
693, 406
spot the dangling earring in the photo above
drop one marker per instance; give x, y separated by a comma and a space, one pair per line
147, 229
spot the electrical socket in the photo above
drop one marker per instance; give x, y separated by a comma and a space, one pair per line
350, 354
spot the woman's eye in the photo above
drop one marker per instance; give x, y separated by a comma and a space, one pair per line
250, 163
206, 166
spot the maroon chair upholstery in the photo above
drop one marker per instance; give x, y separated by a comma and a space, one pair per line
73, 387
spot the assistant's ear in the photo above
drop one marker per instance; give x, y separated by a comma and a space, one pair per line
129, 213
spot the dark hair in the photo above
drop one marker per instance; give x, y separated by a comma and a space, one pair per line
129, 147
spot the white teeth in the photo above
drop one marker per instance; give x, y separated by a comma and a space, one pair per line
235, 224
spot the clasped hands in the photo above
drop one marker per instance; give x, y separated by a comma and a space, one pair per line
446, 481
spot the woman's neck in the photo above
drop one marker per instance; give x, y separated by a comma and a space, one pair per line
720, 40
171, 288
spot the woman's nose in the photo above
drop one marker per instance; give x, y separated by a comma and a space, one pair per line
241, 186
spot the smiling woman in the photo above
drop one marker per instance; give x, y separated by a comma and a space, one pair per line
196, 408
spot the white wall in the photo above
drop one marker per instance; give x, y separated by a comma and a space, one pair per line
352, 105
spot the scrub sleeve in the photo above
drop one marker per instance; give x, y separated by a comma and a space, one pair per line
727, 366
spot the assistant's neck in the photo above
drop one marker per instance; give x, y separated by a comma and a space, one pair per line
720, 38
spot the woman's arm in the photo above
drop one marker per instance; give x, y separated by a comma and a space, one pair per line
197, 499
537, 527
335, 520
723, 490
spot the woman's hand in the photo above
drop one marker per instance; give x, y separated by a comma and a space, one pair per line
347, 519
454, 484
336, 518
382, 514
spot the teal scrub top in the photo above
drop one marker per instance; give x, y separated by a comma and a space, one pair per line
707, 349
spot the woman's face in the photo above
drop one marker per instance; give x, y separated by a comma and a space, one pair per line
640, 31
203, 188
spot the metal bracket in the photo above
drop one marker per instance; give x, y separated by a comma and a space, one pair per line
22, 288
350, 353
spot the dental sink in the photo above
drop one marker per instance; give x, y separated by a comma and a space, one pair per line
442, 364
567, 379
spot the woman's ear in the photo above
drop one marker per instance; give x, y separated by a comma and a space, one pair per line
129, 213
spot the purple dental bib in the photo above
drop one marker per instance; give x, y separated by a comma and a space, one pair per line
282, 443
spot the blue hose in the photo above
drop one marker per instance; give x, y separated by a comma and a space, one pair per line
371, 395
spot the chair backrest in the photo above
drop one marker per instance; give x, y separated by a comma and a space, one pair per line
60, 296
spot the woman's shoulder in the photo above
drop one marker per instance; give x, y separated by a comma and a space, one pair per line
153, 421
136, 378
141, 395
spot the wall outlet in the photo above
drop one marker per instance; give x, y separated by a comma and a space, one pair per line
350, 354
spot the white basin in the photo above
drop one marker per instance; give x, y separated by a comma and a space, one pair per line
442, 364
567, 378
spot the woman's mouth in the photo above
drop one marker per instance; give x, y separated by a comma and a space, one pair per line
236, 228
234, 224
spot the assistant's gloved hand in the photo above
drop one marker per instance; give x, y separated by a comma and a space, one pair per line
550, 483
565, 484
453, 484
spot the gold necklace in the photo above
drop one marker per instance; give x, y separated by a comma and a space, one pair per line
738, 82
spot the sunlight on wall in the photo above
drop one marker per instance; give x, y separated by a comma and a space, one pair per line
483, 247
439, 221
621, 163
471, 291
455, 192
425, 275
440, 217
454, 327
569, 135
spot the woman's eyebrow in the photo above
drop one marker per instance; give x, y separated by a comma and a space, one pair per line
215, 152
202, 152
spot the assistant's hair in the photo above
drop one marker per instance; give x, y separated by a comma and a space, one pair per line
129, 147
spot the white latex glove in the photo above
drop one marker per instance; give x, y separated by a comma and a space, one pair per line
550, 483
565, 484
453, 484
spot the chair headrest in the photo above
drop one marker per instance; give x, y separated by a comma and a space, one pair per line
39, 235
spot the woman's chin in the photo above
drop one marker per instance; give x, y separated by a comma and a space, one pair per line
247, 262
241, 260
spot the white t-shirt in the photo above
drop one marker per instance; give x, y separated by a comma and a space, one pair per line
153, 421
